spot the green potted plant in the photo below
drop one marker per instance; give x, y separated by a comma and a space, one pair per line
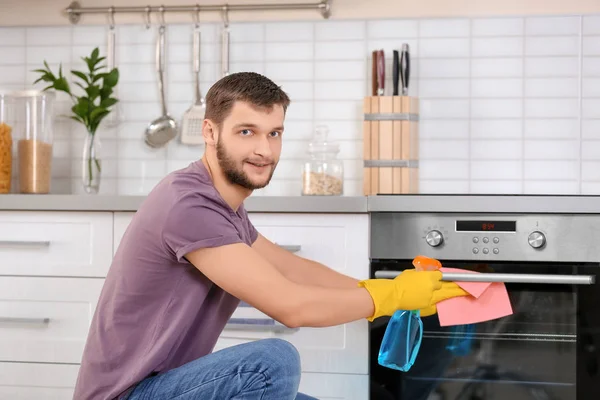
89, 109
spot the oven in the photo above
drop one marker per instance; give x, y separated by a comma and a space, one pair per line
548, 349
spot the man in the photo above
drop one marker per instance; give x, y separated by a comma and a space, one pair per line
191, 254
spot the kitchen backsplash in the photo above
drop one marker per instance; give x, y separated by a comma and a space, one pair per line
508, 105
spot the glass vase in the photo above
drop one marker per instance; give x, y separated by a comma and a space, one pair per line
91, 164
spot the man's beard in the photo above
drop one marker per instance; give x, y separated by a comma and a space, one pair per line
236, 175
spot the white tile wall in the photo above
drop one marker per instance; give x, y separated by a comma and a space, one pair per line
508, 105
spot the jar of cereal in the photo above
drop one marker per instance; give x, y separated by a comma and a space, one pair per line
323, 172
6, 141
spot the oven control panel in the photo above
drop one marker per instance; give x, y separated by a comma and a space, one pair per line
543, 237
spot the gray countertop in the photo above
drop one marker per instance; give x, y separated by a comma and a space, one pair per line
344, 204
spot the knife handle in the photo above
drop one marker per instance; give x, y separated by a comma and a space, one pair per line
374, 81
396, 72
381, 73
405, 68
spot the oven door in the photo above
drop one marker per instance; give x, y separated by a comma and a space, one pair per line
548, 349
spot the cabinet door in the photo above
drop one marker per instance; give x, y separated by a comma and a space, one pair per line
30, 381
52, 243
339, 242
121, 222
46, 319
335, 386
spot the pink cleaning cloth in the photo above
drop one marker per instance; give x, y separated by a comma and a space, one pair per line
487, 301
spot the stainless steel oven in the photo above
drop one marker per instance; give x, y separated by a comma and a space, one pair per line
548, 349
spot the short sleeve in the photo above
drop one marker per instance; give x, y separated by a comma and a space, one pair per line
252, 232
196, 222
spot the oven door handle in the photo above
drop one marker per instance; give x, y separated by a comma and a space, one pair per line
506, 278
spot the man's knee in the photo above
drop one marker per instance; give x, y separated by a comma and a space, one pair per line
281, 354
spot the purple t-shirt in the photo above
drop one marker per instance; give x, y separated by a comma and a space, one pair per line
157, 311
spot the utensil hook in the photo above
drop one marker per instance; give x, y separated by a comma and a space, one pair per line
147, 17
111, 17
196, 16
226, 16
162, 17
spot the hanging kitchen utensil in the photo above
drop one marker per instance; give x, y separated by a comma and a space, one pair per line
163, 129
193, 118
116, 115
225, 43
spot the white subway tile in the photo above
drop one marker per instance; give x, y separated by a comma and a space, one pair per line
246, 52
389, 45
591, 46
551, 187
12, 74
299, 51
339, 90
12, 55
442, 47
300, 110
175, 165
351, 50
49, 36
288, 71
299, 130
552, 46
551, 128
176, 53
551, 108
497, 67
294, 149
353, 169
443, 149
500, 26
92, 35
284, 187
37, 55
141, 54
496, 170
440, 109
591, 24
551, 66
352, 150
289, 32
142, 73
590, 188
590, 150
141, 111
246, 32
552, 87
433, 186
444, 27
132, 129
591, 87
443, 129
496, 129
179, 92
590, 129
446, 169
590, 108
136, 187
135, 92
394, 29
288, 169
552, 26
555, 169
449, 88
181, 34
497, 47
298, 90
12, 36
138, 34
443, 68
338, 110
138, 150
496, 187
61, 148
257, 67
591, 66
483, 108
142, 169
590, 171
551, 149
340, 130
109, 168
497, 87
496, 149
340, 30
339, 70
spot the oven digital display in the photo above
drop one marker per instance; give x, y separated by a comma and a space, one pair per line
486, 226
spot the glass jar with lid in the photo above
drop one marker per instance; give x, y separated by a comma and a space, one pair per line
6, 141
323, 172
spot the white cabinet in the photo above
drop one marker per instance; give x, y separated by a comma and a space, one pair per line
30, 381
335, 386
121, 222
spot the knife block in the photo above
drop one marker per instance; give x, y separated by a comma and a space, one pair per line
390, 145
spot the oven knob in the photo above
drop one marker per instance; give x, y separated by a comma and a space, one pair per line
434, 238
537, 239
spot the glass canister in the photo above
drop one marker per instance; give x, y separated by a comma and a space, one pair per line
34, 119
323, 173
6, 141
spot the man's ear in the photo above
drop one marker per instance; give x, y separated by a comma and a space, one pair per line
210, 133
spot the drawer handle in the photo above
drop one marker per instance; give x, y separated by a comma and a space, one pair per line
23, 243
294, 248
257, 324
507, 278
44, 321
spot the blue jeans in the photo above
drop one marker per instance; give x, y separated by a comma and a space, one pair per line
267, 369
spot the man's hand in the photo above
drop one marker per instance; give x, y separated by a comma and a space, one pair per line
299, 269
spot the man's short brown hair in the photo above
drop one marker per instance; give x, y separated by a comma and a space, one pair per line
250, 87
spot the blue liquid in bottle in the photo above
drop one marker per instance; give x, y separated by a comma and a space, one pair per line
401, 341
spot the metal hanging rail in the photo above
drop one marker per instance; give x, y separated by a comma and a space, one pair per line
75, 10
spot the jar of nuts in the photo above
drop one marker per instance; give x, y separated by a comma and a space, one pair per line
323, 172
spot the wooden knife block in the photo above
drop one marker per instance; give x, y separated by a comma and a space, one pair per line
390, 145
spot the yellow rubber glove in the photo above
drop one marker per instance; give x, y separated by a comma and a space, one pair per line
410, 290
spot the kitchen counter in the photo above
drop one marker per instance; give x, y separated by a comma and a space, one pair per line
421, 203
